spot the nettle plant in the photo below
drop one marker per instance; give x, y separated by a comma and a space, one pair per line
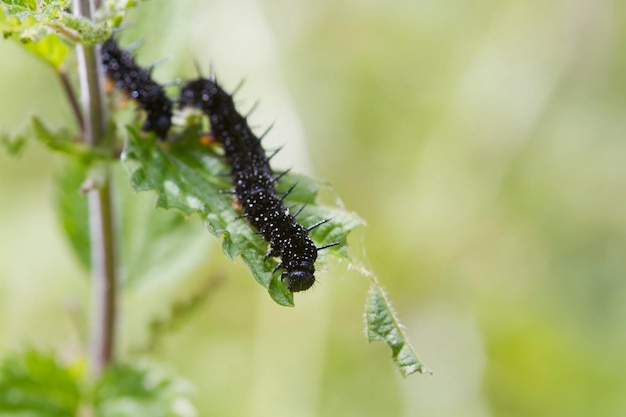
276, 228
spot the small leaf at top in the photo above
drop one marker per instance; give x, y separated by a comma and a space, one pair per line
30, 21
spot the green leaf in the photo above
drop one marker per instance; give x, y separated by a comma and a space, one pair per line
60, 140
383, 325
188, 176
139, 390
24, 5
32, 21
14, 145
65, 141
156, 245
114, 12
35, 384
80, 30
72, 209
51, 49
29, 21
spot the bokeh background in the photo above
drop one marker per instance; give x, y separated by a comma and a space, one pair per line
484, 143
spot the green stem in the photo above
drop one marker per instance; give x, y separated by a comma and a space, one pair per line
103, 256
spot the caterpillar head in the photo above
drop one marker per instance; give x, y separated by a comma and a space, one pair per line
300, 279
157, 123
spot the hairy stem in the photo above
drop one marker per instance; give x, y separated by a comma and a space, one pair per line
101, 224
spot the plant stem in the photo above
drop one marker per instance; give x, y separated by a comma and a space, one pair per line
69, 93
103, 257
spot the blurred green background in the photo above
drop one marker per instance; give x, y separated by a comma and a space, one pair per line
484, 144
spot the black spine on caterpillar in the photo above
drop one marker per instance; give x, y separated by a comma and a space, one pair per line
120, 66
254, 181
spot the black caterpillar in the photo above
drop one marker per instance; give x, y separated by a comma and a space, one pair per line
254, 183
120, 66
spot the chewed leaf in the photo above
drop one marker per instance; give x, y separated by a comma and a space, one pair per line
383, 325
189, 177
